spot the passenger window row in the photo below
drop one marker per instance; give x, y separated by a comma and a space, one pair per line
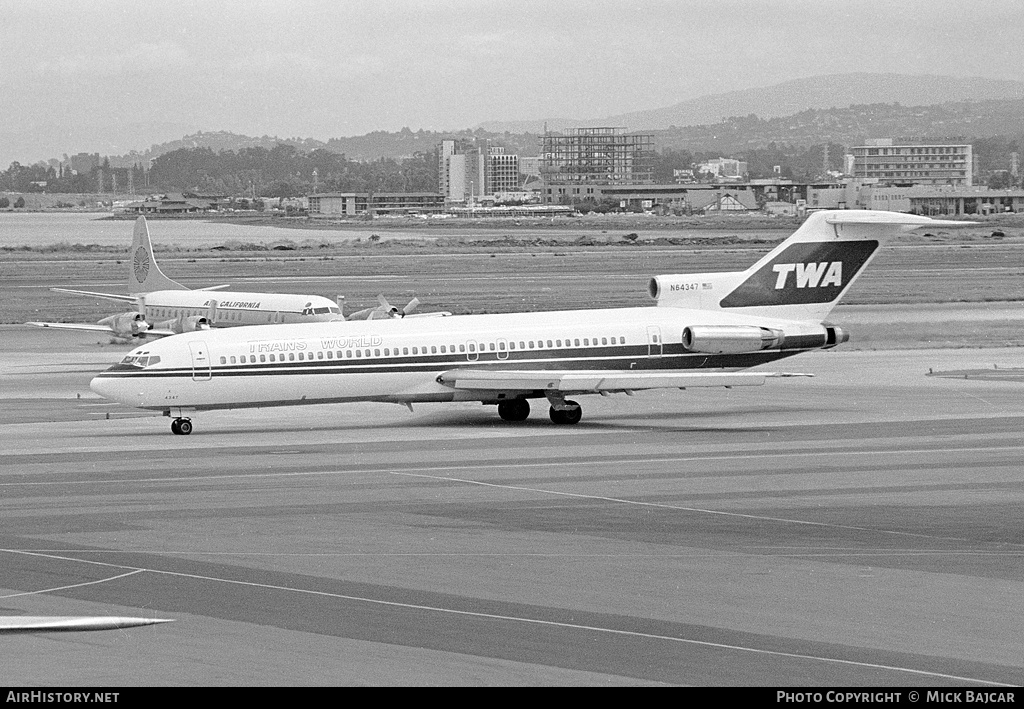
472, 347
222, 315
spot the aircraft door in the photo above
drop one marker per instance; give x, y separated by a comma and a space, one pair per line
471, 351
654, 341
502, 349
200, 361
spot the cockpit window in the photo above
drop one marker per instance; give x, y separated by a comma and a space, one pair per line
140, 360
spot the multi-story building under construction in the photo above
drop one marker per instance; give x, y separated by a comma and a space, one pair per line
575, 161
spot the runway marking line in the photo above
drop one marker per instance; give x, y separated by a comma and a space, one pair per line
680, 508
64, 588
515, 619
545, 464
511, 465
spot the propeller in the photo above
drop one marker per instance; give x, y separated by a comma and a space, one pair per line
130, 324
384, 310
394, 312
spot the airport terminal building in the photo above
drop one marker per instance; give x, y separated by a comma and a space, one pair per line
352, 204
926, 200
885, 162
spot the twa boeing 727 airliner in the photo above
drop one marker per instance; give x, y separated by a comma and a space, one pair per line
704, 329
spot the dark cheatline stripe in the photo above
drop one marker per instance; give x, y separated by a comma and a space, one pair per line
610, 359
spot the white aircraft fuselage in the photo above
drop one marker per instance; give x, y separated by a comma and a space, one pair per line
163, 307
703, 330
403, 361
234, 308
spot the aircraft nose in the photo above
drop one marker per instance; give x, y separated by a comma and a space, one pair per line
105, 386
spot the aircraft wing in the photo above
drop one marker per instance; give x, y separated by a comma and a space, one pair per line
72, 326
50, 624
598, 381
154, 332
220, 287
105, 296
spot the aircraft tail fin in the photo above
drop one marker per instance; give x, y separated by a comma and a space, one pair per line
805, 276
144, 276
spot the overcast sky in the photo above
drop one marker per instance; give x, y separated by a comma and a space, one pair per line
109, 75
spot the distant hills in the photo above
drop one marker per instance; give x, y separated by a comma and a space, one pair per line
790, 97
843, 109
372, 146
962, 121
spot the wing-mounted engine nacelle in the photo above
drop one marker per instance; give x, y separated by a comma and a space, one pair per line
195, 323
131, 324
730, 339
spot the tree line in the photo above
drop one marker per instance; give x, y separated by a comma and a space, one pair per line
287, 171
281, 171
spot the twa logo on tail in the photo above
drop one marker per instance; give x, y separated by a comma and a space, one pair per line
810, 275
802, 273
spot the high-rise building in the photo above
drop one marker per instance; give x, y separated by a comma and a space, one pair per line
468, 170
917, 164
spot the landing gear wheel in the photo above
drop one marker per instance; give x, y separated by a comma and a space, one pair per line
181, 427
514, 410
571, 415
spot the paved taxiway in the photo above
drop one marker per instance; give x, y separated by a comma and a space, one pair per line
859, 528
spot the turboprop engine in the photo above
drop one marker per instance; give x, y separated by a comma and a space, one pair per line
384, 311
192, 323
740, 339
131, 324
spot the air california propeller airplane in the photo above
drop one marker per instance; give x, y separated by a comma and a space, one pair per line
704, 329
164, 307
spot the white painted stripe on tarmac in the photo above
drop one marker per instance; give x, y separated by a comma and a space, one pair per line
538, 621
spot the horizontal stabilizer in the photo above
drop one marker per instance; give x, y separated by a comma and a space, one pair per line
866, 216
598, 381
104, 296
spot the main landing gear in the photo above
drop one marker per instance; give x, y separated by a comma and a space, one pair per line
572, 413
181, 427
568, 412
514, 410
